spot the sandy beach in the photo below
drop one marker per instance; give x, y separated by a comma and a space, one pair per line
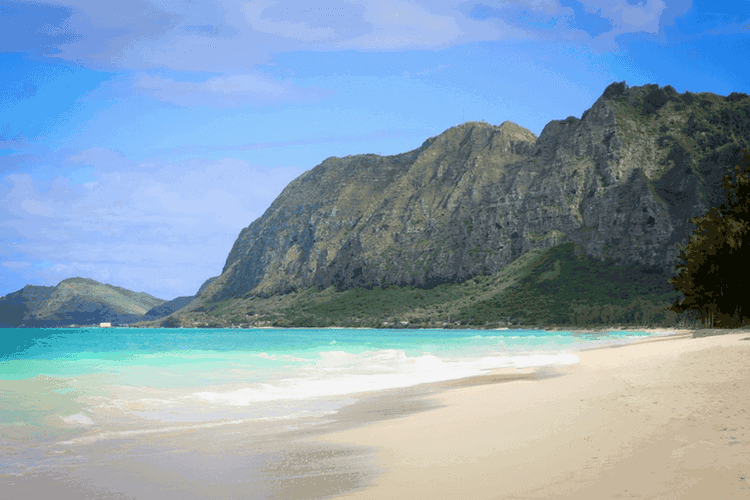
662, 418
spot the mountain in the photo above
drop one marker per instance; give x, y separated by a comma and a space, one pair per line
484, 224
166, 308
620, 184
545, 287
76, 301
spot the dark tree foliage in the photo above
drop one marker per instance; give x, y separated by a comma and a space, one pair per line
714, 276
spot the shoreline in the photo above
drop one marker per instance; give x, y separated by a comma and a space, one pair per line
575, 329
635, 421
578, 424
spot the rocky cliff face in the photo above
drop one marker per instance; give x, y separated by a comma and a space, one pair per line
621, 183
77, 301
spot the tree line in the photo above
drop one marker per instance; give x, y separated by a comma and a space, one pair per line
713, 277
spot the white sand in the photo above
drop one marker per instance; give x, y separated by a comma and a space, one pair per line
665, 418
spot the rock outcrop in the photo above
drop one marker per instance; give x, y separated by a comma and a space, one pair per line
621, 183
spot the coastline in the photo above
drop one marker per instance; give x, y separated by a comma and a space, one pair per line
573, 329
659, 418
638, 416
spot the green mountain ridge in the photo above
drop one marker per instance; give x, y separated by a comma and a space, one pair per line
617, 185
554, 287
488, 225
621, 182
78, 301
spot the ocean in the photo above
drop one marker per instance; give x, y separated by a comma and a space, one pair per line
63, 389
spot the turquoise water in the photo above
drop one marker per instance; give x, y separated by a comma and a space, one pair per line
75, 385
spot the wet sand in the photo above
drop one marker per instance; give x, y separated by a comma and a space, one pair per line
662, 418
261, 460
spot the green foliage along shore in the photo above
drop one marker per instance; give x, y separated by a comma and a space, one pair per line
714, 274
553, 287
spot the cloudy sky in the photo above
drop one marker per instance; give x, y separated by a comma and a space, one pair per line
138, 138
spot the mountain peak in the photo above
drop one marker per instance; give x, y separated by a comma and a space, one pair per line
79, 281
506, 127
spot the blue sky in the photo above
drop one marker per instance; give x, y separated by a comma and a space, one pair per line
138, 138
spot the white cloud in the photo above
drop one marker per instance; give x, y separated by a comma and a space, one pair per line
643, 16
549, 20
98, 156
295, 29
427, 71
545, 6
15, 264
168, 225
36, 207
232, 91
398, 24
227, 36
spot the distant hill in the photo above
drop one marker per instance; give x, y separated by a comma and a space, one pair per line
78, 301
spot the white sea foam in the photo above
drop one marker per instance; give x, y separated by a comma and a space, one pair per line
119, 434
78, 419
188, 389
337, 373
276, 357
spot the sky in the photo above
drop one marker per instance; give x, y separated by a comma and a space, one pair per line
137, 139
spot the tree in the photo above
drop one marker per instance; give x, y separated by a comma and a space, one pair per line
714, 277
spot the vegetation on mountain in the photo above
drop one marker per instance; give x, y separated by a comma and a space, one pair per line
491, 226
166, 308
714, 275
558, 287
77, 301
621, 182
454, 232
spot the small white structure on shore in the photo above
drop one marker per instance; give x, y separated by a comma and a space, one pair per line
105, 325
